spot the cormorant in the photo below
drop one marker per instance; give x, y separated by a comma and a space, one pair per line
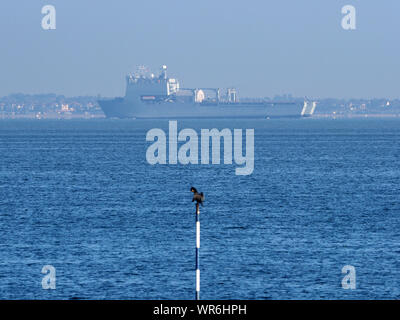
198, 197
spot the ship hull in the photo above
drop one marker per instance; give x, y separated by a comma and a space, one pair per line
119, 108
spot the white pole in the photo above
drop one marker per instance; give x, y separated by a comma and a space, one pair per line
197, 252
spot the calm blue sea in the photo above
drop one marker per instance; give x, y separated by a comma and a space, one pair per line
80, 196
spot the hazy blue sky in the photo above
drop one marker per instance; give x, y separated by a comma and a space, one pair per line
261, 47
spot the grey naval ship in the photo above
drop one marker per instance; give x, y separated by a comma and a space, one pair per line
150, 96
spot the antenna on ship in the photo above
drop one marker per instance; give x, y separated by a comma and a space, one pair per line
199, 198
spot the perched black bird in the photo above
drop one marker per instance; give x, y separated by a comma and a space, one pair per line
198, 197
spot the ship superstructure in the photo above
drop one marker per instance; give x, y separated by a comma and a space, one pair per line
148, 96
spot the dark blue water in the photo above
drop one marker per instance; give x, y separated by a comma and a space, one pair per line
79, 195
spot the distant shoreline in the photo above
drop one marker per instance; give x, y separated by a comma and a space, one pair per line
100, 116
354, 116
51, 116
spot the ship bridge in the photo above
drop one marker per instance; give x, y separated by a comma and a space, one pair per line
146, 86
